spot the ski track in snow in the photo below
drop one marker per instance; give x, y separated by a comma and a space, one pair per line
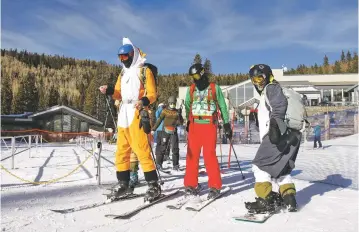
326, 182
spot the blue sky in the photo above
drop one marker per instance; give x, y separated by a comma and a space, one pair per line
233, 34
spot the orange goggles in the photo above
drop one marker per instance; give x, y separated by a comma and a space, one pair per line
258, 80
196, 76
123, 56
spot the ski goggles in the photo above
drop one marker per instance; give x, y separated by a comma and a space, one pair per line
258, 80
172, 105
123, 57
195, 76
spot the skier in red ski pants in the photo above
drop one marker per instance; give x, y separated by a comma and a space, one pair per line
203, 100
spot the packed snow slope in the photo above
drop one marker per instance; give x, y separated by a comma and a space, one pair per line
326, 181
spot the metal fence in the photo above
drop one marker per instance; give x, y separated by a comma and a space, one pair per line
341, 123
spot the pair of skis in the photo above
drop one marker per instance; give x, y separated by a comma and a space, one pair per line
126, 215
195, 203
95, 205
195, 206
142, 206
106, 202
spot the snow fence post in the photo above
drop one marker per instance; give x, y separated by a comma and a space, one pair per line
99, 149
327, 127
29, 146
12, 152
356, 123
94, 153
36, 142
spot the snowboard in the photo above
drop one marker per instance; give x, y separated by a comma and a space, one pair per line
257, 218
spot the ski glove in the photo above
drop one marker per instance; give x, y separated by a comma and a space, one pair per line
228, 130
274, 132
145, 121
187, 127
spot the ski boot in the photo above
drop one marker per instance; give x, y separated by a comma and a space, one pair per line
133, 179
120, 190
159, 167
153, 192
213, 193
270, 204
190, 191
290, 202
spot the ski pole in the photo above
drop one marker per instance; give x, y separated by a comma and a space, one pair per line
109, 107
236, 159
154, 160
220, 146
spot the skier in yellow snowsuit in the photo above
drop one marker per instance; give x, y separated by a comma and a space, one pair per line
133, 120
133, 160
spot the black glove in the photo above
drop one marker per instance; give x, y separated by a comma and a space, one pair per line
110, 90
187, 127
179, 111
227, 130
274, 132
145, 121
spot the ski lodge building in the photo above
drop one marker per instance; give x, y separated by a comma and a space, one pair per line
316, 90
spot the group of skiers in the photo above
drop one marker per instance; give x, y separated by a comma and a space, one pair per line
136, 90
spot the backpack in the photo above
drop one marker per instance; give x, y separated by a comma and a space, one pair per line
142, 77
214, 97
154, 71
296, 114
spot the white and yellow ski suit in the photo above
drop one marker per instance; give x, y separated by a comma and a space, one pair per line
128, 90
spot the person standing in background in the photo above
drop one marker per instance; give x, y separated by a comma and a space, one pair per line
317, 134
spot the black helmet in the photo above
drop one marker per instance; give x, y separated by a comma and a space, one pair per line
172, 99
172, 102
260, 75
196, 71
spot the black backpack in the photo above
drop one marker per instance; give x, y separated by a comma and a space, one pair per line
154, 71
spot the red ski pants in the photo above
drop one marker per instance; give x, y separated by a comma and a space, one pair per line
202, 135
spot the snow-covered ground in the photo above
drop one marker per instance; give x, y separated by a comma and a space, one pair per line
326, 182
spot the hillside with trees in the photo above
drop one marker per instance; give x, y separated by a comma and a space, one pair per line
348, 63
32, 82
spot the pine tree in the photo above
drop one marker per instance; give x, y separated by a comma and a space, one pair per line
349, 57
207, 66
315, 68
27, 98
337, 68
354, 64
342, 57
6, 95
326, 68
325, 61
197, 59
90, 99
54, 97
64, 100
